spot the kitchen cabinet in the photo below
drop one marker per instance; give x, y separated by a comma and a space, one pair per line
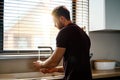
104, 15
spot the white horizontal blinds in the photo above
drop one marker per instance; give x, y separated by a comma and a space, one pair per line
82, 13
28, 23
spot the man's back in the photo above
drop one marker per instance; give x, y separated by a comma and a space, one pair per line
76, 57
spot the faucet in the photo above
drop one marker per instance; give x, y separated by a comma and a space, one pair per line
46, 47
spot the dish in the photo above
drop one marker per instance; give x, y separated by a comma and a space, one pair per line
104, 64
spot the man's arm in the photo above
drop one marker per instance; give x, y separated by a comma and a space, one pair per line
53, 60
51, 70
60, 69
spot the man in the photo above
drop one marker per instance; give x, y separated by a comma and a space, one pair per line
73, 45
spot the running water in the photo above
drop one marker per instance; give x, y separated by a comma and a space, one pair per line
38, 56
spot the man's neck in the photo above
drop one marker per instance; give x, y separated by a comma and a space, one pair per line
67, 23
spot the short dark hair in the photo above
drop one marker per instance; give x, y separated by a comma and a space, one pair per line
61, 11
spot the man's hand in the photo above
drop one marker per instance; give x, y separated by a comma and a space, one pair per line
37, 65
51, 70
48, 70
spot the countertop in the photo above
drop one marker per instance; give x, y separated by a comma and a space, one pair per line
38, 75
106, 73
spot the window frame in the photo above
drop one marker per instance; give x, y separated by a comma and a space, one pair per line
25, 51
1, 26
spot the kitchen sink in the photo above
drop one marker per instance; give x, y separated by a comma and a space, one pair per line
60, 77
49, 76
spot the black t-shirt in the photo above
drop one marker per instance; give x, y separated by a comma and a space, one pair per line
76, 60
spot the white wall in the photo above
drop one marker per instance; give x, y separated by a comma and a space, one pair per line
105, 45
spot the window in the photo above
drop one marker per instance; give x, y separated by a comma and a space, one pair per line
28, 24
81, 13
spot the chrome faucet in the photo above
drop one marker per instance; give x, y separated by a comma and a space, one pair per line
46, 47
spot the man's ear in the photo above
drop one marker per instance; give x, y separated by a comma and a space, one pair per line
62, 19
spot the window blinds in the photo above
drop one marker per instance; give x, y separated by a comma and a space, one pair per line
28, 23
82, 14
